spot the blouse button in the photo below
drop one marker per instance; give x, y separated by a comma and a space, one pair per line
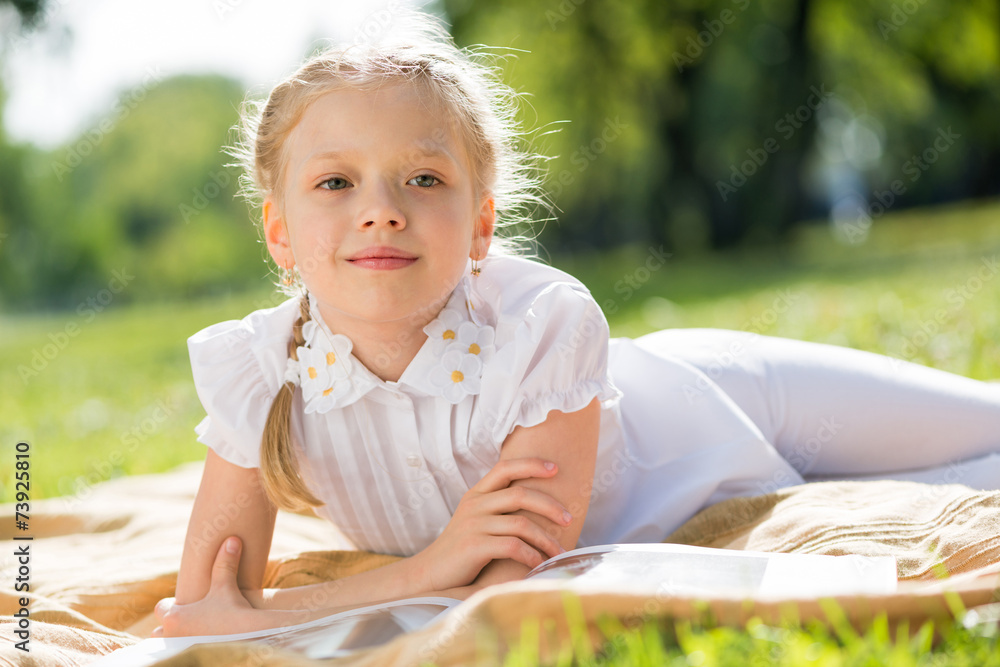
413, 460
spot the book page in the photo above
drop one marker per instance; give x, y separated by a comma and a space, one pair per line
329, 637
686, 571
655, 570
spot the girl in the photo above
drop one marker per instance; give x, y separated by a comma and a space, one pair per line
440, 398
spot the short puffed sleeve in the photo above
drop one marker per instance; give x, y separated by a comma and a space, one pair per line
555, 357
238, 368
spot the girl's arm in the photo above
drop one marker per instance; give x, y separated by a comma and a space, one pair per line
225, 609
479, 532
484, 529
230, 501
569, 440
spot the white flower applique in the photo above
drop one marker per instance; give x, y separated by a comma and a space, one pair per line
324, 366
475, 340
466, 349
458, 375
443, 330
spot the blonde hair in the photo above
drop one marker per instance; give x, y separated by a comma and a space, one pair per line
483, 108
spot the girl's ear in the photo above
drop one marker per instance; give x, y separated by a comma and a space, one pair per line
276, 235
483, 232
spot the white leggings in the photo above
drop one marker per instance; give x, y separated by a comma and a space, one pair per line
838, 413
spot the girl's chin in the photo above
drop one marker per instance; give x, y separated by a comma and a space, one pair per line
375, 307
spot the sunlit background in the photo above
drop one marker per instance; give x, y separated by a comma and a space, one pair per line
701, 124
765, 145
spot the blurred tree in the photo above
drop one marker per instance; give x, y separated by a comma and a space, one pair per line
28, 10
729, 121
16, 214
695, 123
143, 192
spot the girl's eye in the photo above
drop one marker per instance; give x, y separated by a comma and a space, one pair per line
424, 180
335, 183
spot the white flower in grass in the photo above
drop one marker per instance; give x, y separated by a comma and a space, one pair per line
443, 330
323, 369
458, 375
475, 340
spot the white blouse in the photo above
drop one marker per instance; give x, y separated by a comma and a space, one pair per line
392, 460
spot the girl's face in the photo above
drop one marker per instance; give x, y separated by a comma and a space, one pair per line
380, 211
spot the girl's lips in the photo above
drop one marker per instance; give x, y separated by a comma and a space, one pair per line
383, 263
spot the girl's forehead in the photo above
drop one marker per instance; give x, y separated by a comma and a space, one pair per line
398, 115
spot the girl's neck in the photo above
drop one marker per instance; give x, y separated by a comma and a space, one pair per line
385, 348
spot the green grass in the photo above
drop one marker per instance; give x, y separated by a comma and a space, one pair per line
691, 644
116, 397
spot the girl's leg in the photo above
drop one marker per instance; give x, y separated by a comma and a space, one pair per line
838, 412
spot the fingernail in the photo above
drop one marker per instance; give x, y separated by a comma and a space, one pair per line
549, 465
567, 517
232, 546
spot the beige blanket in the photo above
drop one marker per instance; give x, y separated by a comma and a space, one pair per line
100, 563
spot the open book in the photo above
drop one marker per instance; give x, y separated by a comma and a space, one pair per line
652, 569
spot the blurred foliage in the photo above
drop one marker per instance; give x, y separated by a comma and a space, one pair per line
140, 201
28, 11
699, 86
688, 124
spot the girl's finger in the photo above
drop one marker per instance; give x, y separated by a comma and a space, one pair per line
501, 547
516, 498
227, 565
528, 532
507, 470
162, 607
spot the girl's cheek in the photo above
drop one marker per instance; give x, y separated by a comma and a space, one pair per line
315, 246
322, 252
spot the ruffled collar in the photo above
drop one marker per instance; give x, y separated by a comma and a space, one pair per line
460, 341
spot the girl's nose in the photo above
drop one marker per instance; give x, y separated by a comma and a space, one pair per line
381, 207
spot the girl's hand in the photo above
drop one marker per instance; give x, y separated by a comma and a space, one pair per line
480, 530
224, 610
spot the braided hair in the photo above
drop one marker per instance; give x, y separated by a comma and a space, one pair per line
281, 479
